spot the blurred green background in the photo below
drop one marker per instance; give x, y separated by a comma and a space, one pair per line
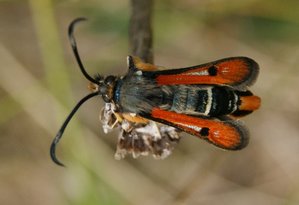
40, 83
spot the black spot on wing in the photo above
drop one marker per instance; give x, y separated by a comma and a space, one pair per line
212, 70
204, 132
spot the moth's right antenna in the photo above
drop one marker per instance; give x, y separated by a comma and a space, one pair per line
75, 50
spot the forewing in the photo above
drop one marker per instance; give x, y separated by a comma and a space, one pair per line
238, 72
226, 134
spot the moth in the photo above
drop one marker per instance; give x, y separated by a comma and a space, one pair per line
151, 106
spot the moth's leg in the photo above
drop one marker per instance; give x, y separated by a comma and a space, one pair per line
132, 117
109, 118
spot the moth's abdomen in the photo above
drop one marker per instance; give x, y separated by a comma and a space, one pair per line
247, 103
224, 101
204, 100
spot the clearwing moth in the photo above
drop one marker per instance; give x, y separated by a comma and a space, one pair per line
151, 106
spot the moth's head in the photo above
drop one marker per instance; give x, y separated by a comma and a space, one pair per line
104, 86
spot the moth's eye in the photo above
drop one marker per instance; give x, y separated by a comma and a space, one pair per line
109, 79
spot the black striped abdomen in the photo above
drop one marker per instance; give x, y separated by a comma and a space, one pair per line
204, 100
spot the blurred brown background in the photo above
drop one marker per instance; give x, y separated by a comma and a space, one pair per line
40, 83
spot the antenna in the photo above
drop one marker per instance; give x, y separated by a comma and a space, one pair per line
73, 43
83, 100
61, 130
